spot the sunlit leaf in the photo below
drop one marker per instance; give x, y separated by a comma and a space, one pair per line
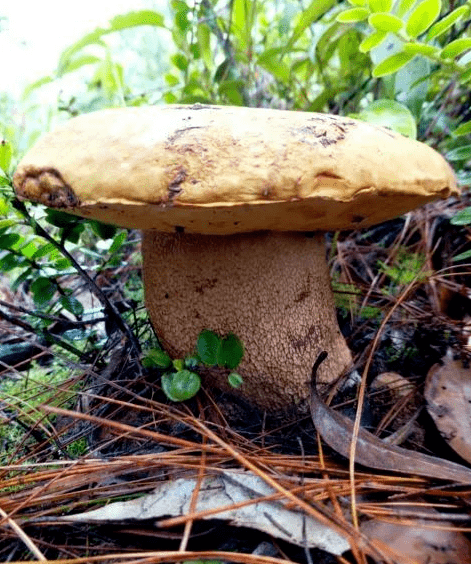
37, 84
5, 155
353, 15
392, 114
118, 23
315, 10
392, 64
445, 23
204, 40
420, 49
79, 62
380, 5
403, 7
372, 41
463, 129
455, 48
422, 17
385, 22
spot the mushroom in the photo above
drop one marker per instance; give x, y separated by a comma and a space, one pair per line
233, 203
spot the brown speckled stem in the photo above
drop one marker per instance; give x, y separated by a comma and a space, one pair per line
271, 289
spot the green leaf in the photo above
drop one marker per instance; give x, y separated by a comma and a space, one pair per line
235, 380
242, 22
445, 23
181, 385
61, 219
36, 84
315, 10
420, 49
10, 261
392, 64
465, 76
208, 346
118, 23
385, 22
353, 15
455, 48
171, 79
403, 7
71, 304
79, 62
180, 61
5, 210
43, 291
103, 230
372, 41
463, 129
5, 155
4, 181
118, 242
45, 250
271, 62
392, 114
156, 358
8, 240
459, 154
72, 234
462, 256
422, 17
463, 217
203, 34
232, 351
136, 18
231, 89
380, 5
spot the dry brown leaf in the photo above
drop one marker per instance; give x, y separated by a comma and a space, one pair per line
448, 395
424, 543
217, 495
337, 431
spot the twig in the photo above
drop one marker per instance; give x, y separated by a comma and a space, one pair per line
23, 536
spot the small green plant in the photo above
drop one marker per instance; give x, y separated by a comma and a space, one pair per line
348, 303
406, 268
180, 381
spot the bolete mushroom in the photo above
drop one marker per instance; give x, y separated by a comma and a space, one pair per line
233, 202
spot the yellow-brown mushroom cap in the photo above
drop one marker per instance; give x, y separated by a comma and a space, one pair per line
223, 170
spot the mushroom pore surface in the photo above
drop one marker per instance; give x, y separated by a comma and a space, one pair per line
271, 289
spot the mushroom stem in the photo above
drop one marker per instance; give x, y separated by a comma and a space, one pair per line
271, 289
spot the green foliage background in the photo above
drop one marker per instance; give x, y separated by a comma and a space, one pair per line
405, 64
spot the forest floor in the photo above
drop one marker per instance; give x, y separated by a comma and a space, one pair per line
103, 431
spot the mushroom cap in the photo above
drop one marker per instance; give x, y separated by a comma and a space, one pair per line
222, 170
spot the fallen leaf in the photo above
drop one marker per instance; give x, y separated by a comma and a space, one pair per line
337, 431
172, 498
423, 543
448, 395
